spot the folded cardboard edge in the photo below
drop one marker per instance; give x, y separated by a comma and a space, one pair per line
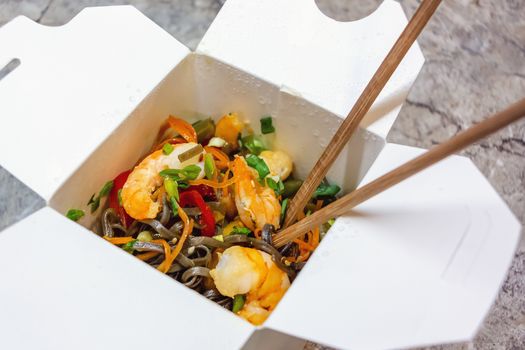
13, 38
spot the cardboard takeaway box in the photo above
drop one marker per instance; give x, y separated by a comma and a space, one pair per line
419, 264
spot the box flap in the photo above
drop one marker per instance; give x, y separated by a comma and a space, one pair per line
74, 86
291, 43
419, 264
63, 287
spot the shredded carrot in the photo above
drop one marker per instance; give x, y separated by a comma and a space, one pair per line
223, 160
167, 249
119, 240
183, 128
213, 184
315, 237
225, 190
188, 228
147, 255
303, 245
318, 204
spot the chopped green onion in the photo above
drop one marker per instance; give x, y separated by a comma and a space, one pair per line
209, 166
145, 236
106, 189
129, 246
205, 129
238, 303
277, 186
174, 206
326, 190
241, 231
167, 148
217, 142
191, 172
220, 238
331, 222
75, 214
183, 184
266, 125
94, 202
253, 144
171, 187
284, 207
192, 152
291, 186
119, 196
258, 164
92, 199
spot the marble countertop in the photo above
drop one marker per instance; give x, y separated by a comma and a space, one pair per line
475, 65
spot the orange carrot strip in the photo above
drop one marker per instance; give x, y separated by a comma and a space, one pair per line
225, 190
213, 184
223, 159
318, 204
303, 244
147, 255
183, 128
188, 228
119, 240
315, 237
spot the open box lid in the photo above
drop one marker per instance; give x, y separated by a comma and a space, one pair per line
75, 84
293, 45
420, 263
85, 293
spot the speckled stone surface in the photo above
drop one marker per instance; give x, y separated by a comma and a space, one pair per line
475, 65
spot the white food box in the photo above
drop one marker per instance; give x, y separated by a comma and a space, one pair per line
419, 264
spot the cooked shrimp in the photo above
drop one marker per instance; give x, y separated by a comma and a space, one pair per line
250, 272
257, 205
279, 163
144, 180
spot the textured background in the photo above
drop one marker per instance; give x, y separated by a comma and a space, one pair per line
475, 65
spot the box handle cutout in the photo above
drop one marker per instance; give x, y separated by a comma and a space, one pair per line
337, 10
9, 67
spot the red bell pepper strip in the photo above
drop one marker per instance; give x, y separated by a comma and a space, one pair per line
194, 199
206, 192
118, 183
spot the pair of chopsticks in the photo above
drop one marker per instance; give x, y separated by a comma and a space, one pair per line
350, 124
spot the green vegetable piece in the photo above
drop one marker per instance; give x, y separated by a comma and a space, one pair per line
266, 125
191, 172
209, 166
326, 190
119, 196
167, 148
241, 231
174, 206
291, 186
108, 186
129, 246
284, 207
205, 129
171, 187
278, 186
183, 185
94, 202
253, 144
238, 302
145, 236
75, 214
331, 222
258, 164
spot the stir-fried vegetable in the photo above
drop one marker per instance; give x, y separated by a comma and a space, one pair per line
206, 204
266, 125
75, 214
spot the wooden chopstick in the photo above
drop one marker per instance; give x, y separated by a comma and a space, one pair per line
432, 156
361, 107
